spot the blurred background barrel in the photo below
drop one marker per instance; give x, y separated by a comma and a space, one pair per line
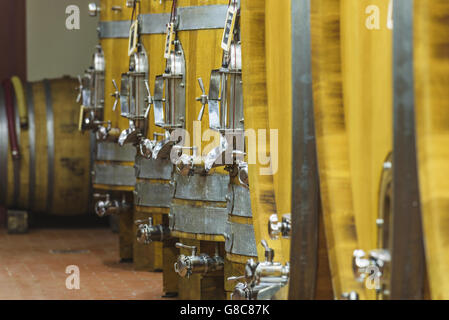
431, 67
51, 173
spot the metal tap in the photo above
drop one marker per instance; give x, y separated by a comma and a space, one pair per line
147, 233
262, 279
93, 9
185, 266
276, 228
105, 206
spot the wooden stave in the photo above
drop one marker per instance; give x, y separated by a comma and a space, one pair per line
41, 98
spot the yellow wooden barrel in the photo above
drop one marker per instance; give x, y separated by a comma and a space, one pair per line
198, 215
431, 66
153, 191
352, 79
240, 242
53, 172
152, 198
202, 53
268, 195
268, 88
114, 173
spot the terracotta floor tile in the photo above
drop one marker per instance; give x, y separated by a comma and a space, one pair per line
29, 270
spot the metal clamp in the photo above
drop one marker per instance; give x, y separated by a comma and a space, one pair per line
185, 266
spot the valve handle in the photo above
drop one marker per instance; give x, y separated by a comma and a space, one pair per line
98, 196
149, 221
200, 82
80, 89
234, 278
150, 99
180, 245
203, 99
269, 253
116, 95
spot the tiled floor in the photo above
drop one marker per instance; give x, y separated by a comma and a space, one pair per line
29, 270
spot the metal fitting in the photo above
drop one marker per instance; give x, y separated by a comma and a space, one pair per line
105, 206
276, 228
185, 266
147, 233
263, 279
93, 9
353, 295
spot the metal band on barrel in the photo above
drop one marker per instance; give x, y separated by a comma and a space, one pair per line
305, 183
204, 188
190, 18
50, 145
114, 175
151, 194
153, 169
111, 151
16, 162
240, 239
32, 141
407, 247
3, 150
198, 220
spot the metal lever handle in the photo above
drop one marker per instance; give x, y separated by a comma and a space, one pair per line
200, 82
234, 278
116, 8
139, 222
203, 99
149, 99
269, 253
80, 89
98, 196
116, 95
180, 245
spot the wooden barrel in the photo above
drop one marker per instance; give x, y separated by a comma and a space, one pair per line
352, 72
200, 60
198, 216
269, 63
113, 166
431, 67
240, 242
153, 191
152, 198
53, 170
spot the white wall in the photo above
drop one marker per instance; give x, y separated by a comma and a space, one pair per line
52, 50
